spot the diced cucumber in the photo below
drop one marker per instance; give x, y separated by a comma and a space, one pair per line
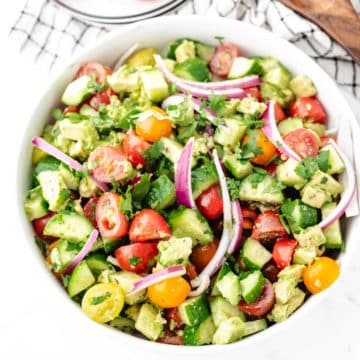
194, 310
203, 51
332, 232
63, 254
35, 205
252, 327
192, 69
71, 181
267, 63
289, 125
286, 174
230, 134
133, 311
317, 128
69, 225
200, 334
111, 244
48, 163
229, 288
202, 178
124, 324
238, 168
77, 91
190, 223
221, 310
155, 86
222, 272
161, 194
254, 255
252, 286
81, 279
97, 264
171, 149
301, 86
336, 165
278, 76
149, 322
242, 66
229, 330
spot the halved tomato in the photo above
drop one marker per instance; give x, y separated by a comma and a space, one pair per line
210, 202
39, 225
303, 142
100, 71
308, 108
100, 98
254, 92
90, 210
133, 147
279, 113
202, 254
222, 59
283, 252
249, 216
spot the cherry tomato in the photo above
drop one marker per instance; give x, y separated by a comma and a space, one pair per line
137, 258
303, 142
153, 128
271, 169
133, 147
266, 149
147, 225
71, 109
268, 226
260, 307
321, 274
283, 252
94, 69
222, 59
202, 254
271, 271
210, 202
254, 92
108, 164
191, 272
39, 225
249, 216
279, 113
308, 108
90, 210
111, 222
173, 314
100, 98
169, 293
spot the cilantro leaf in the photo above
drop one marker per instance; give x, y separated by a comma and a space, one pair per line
126, 205
96, 300
307, 168
323, 160
251, 148
153, 153
57, 114
233, 187
134, 260
217, 104
255, 179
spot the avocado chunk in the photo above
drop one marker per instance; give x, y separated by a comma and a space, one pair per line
181, 114
35, 205
161, 194
230, 133
229, 330
174, 251
271, 92
185, 50
150, 322
304, 256
251, 106
203, 51
286, 174
238, 168
142, 57
200, 334
278, 76
267, 63
310, 237
202, 178
77, 91
154, 84
317, 128
301, 86
332, 232
290, 124
243, 66
71, 181
192, 69
284, 290
48, 163
124, 80
88, 188
124, 324
294, 272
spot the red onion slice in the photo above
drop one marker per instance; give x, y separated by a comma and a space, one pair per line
124, 56
168, 273
183, 187
237, 218
271, 131
83, 252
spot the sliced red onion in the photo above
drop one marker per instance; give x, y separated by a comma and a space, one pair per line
183, 176
204, 283
124, 56
57, 154
237, 218
112, 260
346, 196
243, 83
271, 131
83, 252
224, 243
168, 273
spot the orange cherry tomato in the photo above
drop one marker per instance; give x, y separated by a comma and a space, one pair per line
202, 254
152, 128
263, 146
321, 274
169, 293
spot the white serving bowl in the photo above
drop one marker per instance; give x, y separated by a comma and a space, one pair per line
158, 33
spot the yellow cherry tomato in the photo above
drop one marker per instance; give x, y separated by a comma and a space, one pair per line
169, 293
152, 128
257, 142
321, 274
103, 302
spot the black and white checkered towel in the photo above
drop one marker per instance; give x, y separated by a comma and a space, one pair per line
48, 35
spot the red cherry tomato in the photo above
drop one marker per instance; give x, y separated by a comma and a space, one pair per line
262, 305
249, 216
210, 202
94, 69
111, 222
279, 113
71, 109
254, 92
283, 252
133, 147
268, 226
100, 98
108, 163
191, 271
90, 210
202, 254
136, 258
222, 59
173, 314
148, 225
303, 142
39, 225
308, 108
271, 169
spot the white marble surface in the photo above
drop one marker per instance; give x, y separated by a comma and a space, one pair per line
32, 324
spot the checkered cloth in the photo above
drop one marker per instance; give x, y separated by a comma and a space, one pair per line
48, 35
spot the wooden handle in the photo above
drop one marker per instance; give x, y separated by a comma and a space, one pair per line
336, 17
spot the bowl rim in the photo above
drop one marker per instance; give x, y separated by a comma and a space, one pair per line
117, 334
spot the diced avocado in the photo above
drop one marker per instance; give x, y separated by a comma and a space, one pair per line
35, 205
242, 66
289, 125
221, 310
286, 174
155, 86
304, 256
54, 189
77, 91
171, 149
294, 272
194, 311
190, 223
314, 196
185, 51
202, 178
229, 330
317, 128
150, 322
200, 334
332, 232
142, 57
221, 273
88, 187
267, 63
231, 133
301, 86
252, 327
254, 255
284, 290
271, 92
310, 237
202, 145
81, 279
123, 80
174, 251
48, 163
169, 64
98, 263
87, 110
182, 114
327, 183
124, 324
71, 181
251, 106
203, 51
238, 168
336, 165
278, 76
133, 311
172, 47
63, 253
161, 194
126, 280
192, 69
229, 288
281, 312
69, 226
252, 286
83, 130
261, 188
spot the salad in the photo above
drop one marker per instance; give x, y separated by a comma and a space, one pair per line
192, 198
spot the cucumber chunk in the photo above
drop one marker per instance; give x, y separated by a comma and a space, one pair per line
35, 205
332, 232
124, 324
193, 311
222, 272
278, 76
335, 163
202, 178
230, 330
203, 51
252, 286
155, 86
242, 66
81, 279
254, 255
221, 310
171, 149
97, 264
238, 168
252, 327
161, 194
230, 134
77, 91
149, 322
229, 288
192, 69
200, 334
290, 124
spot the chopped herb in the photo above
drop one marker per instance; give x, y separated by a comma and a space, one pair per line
135, 261
255, 179
251, 148
186, 132
259, 170
57, 114
217, 104
96, 300
279, 144
65, 281
324, 180
323, 160
72, 246
141, 188
233, 187
76, 117
126, 205
274, 188
153, 153
307, 168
